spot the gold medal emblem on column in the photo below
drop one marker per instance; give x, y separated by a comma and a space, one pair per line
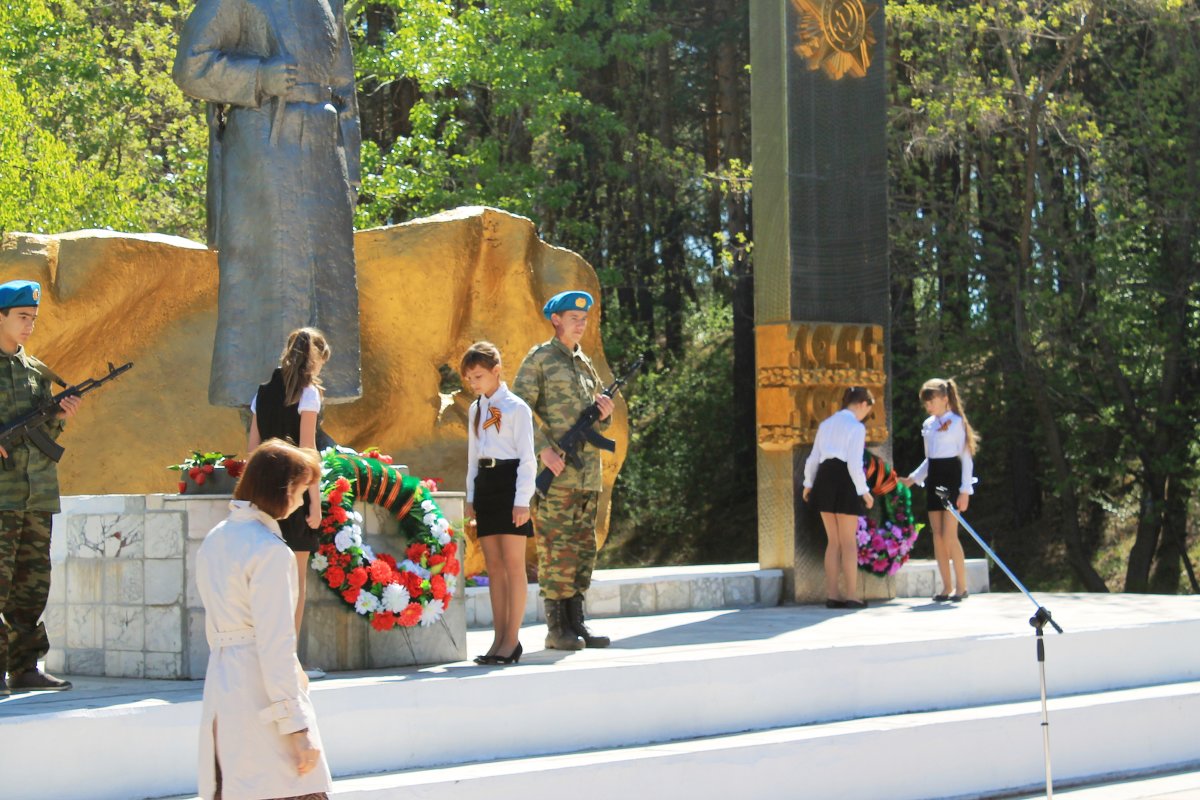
835, 35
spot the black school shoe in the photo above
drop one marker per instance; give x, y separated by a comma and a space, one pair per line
33, 680
856, 604
831, 603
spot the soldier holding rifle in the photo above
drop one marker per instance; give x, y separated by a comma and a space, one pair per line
558, 382
28, 497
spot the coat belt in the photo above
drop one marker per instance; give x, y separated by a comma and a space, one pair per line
231, 638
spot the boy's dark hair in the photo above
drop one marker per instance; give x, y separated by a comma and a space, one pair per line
274, 467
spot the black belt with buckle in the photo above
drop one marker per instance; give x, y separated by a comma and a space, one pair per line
491, 463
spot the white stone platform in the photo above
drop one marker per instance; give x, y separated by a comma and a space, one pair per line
768, 702
661, 590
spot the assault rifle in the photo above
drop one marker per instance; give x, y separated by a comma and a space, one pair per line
583, 431
29, 425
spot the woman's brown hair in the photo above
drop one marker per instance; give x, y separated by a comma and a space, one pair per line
273, 469
306, 349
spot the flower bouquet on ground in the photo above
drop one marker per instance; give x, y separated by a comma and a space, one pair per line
886, 538
208, 473
386, 591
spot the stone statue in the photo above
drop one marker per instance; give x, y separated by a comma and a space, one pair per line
283, 174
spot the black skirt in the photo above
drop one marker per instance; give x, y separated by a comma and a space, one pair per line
297, 534
495, 493
833, 490
942, 472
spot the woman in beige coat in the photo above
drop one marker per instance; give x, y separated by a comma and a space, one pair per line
258, 733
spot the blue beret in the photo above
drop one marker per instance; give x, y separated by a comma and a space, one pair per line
567, 301
20, 293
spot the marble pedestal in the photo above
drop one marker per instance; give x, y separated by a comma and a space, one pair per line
123, 600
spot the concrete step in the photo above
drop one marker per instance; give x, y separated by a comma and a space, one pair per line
980, 751
661, 590
667, 678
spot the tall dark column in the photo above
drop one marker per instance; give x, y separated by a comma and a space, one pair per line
819, 111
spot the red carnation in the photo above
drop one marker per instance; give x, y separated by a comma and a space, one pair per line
341, 484
357, 578
335, 577
390, 559
450, 549
437, 585
381, 572
411, 615
335, 498
338, 513
383, 620
435, 561
412, 582
416, 551
452, 567
351, 595
327, 550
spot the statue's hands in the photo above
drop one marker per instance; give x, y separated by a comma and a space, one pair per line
277, 76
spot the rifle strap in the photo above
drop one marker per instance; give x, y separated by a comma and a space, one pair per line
40, 368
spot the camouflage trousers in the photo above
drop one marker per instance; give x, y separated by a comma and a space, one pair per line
24, 588
565, 526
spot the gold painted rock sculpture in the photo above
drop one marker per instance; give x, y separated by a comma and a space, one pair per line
427, 289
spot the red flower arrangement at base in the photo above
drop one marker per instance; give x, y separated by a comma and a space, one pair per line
415, 591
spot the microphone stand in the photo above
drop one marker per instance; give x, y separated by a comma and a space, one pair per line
1040, 619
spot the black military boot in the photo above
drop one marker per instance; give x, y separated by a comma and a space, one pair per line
34, 680
559, 635
575, 615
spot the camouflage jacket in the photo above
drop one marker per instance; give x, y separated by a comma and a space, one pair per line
558, 385
31, 482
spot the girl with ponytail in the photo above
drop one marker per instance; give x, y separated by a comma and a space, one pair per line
286, 407
950, 444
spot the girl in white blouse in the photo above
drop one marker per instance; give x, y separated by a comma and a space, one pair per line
501, 469
836, 486
949, 449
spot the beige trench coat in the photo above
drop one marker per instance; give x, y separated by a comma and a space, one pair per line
254, 688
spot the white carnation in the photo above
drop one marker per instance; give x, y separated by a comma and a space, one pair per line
366, 603
319, 562
368, 553
357, 517
343, 540
395, 598
451, 582
431, 612
427, 505
430, 519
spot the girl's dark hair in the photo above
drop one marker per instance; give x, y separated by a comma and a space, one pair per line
939, 387
273, 469
480, 354
305, 351
857, 394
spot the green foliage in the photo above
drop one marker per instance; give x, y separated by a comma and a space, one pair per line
105, 139
680, 499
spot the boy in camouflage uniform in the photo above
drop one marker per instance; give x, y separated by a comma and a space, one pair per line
28, 498
558, 382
